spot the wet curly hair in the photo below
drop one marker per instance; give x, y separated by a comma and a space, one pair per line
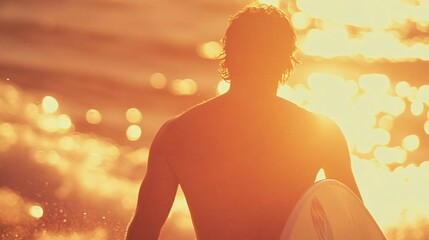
259, 41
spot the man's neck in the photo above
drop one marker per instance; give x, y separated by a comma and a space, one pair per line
244, 88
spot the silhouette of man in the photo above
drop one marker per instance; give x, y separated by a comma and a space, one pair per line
244, 158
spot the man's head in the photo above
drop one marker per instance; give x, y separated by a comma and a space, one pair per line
258, 46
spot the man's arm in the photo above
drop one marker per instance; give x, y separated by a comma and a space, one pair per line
157, 192
337, 163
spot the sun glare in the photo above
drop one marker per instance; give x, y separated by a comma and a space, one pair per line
275, 3
366, 110
387, 20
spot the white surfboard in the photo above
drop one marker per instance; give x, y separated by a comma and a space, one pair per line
330, 211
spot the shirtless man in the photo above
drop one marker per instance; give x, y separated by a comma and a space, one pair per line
244, 158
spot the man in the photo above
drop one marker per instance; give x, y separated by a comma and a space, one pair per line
244, 158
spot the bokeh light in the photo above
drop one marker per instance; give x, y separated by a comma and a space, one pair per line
386, 122
158, 80
49, 104
133, 133
388, 155
36, 211
402, 88
417, 108
133, 115
32, 111
300, 20
93, 116
184, 87
411, 142
210, 50
222, 87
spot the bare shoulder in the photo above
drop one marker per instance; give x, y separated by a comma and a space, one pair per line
202, 113
320, 124
202, 108
181, 124
331, 139
314, 121
320, 128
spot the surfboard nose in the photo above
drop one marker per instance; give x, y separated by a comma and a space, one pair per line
329, 210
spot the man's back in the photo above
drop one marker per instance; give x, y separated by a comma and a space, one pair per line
243, 162
244, 158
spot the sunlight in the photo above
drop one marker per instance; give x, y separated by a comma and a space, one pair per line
97, 234
327, 43
417, 108
12, 207
386, 122
385, 20
423, 94
11, 96
8, 136
389, 155
402, 88
67, 143
374, 82
366, 113
55, 123
320, 175
335, 42
366, 13
31, 111
391, 208
275, 3
64, 122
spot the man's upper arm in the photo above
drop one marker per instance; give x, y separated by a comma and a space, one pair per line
157, 190
337, 163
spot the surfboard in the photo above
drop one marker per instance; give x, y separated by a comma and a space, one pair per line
330, 211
